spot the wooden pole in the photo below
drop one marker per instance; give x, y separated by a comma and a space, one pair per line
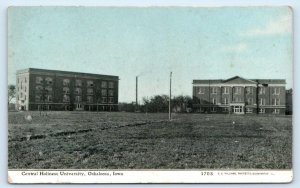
136, 93
170, 97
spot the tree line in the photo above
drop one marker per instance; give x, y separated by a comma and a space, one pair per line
159, 103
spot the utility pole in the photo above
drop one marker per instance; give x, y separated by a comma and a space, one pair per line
170, 96
136, 93
256, 95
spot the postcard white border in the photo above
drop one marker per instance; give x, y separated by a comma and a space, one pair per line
294, 3
150, 176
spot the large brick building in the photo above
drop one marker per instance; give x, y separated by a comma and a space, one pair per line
39, 89
240, 96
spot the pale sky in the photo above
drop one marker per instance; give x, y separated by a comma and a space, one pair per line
193, 43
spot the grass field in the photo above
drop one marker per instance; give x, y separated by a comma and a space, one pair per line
90, 140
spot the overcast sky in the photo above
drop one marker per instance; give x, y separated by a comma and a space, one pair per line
193, 43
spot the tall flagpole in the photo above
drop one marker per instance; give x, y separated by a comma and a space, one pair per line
170, 96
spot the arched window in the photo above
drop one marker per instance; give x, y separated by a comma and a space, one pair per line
38, 88
90, 99
66, 82
49, 80
90, 91
90, 83
66, 98
38, 80
78, 91
66, 90
78, 83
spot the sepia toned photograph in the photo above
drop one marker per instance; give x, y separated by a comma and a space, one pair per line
98, 92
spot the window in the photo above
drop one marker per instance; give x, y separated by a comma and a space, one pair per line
66, 82
103, 92
249, 110
201, 90
104, 99
49, 80
104, 84
276, 111
225, 100
78, 91
276, 102
25, 80
262, 110
276, 91
66, 98
249, 90
66, 90
111, 92
111, 100
25, 89
213, 90
48, 89
38, 88
78, 98
90, 83
90, 99
237, 90
214, 101
111, 85
78, 83
250, 101
90, 91
213, 109
38, 80
261, 90
49, 107
49, 98
38, 98
237, 99
21, 85
225, 110
262, 101
225, 90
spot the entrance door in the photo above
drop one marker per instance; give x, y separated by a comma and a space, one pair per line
238, 109
79, 106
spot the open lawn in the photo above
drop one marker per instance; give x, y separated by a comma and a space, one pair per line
117, 140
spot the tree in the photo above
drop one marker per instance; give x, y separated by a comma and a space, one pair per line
11, 92
181, 103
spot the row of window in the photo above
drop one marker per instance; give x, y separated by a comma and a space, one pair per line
238, 90
25, 80
90, 91
25, 89
39, 80
78, 91
66, 98
78, 83
247, 110
47, 98
21, 96
249, 101
90, 99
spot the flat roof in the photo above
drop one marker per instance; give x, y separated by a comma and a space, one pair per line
65, 72
259, 81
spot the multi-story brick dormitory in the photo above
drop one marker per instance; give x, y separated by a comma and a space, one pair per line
238, 95
39, 89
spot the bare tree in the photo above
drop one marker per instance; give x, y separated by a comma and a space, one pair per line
11, 92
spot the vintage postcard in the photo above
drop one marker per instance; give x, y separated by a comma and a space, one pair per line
150, 94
